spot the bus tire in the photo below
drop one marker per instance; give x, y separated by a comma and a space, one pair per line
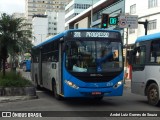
153, 94
54, 89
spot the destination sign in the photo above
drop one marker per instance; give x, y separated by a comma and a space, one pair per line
96, 34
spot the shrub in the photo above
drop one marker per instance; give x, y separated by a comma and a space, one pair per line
12, 79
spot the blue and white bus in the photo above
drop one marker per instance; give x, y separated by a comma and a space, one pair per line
80, 63
145, 61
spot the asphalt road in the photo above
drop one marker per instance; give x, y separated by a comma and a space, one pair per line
128, 103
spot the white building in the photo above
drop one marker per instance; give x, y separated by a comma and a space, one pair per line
146, 10
60, 21
56, 22
47, 25
40, 28
52, 23
77, 6
34, 7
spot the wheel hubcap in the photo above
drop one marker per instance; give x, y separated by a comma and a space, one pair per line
153, 94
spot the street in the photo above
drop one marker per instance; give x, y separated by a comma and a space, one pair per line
47, 102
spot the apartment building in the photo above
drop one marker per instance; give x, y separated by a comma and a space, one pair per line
146, 10
77, 6
56, 22
45, 26
34, 7
91, 17
40, 28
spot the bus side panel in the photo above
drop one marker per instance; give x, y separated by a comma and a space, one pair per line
140, 79
34, 72
45, 72
153, 73
49, 73
137, 83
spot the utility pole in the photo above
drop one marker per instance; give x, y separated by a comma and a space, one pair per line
126, 46
91, 14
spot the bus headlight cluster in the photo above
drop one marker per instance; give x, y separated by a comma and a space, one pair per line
71, 84
118, 84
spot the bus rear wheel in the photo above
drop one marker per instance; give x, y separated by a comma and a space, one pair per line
153, 94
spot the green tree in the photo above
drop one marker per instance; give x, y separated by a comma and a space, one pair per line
13, 37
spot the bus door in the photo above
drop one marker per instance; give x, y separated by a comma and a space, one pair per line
61, 59
57, 66
40, 68
138, 71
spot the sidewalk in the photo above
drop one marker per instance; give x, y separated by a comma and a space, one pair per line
4, 99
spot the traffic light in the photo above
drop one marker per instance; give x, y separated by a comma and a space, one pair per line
145, 25
104, 21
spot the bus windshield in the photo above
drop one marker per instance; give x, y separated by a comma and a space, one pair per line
93, 56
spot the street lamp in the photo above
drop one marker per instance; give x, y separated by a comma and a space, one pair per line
91, 14
33, 39
41, 36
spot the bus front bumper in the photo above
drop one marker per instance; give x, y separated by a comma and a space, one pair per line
92, 92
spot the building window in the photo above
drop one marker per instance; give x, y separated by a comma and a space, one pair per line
152, 3
133, 9
152, 24
131, 31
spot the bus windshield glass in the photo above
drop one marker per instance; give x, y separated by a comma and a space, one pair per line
93, 56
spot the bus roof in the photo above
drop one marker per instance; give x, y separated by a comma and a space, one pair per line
66, 31
148, 37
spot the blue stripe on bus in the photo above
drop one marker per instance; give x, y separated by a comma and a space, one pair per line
148, 37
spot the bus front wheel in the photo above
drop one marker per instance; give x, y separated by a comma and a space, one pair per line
153, 94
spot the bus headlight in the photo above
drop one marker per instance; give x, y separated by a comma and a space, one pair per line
71, 84
118, 84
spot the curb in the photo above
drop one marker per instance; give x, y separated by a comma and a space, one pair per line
16, 98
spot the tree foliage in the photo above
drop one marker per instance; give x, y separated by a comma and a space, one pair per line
14, 37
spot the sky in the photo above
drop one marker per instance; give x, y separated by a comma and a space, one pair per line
12, 6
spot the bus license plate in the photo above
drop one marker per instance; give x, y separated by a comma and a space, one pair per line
96, 93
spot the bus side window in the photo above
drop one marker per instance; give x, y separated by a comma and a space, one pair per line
155, 52
140, 53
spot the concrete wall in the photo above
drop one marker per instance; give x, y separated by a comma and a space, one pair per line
82, 24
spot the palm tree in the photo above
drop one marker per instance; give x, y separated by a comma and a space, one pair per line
13, 38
